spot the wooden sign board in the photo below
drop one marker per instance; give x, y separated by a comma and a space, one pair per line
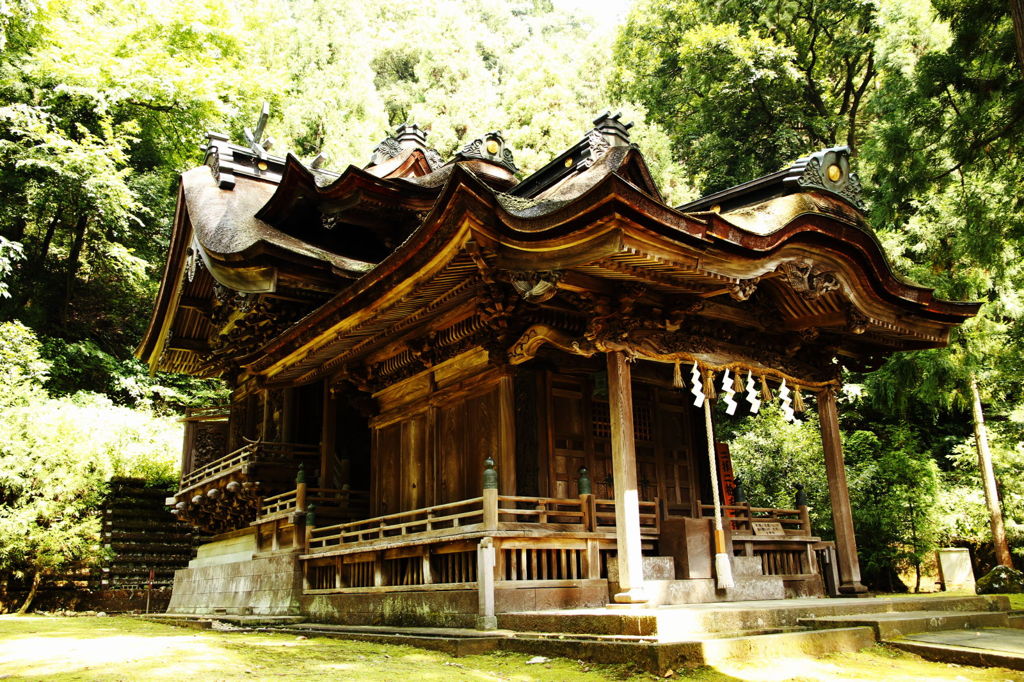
767, 528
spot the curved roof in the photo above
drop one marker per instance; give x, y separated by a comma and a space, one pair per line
392, 247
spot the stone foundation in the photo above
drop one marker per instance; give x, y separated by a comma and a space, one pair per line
228, 577
438, 607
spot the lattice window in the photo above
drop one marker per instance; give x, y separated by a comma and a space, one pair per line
359, 574
528, 563
322, 577
600, 417
454, 567
404, 571
643, 420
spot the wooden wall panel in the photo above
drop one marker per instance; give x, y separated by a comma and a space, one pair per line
450, 449
413, 464
387, 450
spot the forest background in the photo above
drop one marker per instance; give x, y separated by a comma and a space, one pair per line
102, 104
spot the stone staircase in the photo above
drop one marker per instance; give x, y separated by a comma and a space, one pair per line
673, 637
663, 589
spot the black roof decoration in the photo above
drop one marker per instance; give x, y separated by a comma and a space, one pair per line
827, 171
491, 147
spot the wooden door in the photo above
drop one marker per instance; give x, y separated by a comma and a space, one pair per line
677, 470
568, 435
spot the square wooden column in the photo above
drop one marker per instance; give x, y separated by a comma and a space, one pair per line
328, 434
842, 516
627, 498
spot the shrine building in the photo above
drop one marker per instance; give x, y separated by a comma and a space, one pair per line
457, 394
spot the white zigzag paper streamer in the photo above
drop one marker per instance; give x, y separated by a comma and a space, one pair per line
786, 402
728, 393
698, 386
752, 393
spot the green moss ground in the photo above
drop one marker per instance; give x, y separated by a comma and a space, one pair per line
124, 648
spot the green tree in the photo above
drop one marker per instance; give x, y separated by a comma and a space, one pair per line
746, 87
56, 459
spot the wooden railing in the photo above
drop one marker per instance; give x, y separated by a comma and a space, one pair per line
250, 453
569, 514
328, 502
488, 512
208, 413
459, 516
604, 516
741, 517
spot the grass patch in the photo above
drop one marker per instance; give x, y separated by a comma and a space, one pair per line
124, 648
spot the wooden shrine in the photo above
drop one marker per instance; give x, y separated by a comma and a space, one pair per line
457, 394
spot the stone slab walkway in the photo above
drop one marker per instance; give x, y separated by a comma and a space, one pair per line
1002, 647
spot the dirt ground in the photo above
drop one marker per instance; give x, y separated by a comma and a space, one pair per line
124, 648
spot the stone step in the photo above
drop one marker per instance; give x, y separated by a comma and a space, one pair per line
205, 621
452, 641
995, 647
699, 619
782, 645
891, 625
661, 656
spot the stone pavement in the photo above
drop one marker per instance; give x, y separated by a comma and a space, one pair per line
1002, 647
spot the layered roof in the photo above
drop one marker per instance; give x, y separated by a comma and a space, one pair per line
409, 238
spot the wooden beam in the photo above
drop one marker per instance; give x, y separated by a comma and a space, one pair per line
194, 303
188, 345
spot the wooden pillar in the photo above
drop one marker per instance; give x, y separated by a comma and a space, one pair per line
842, 516
486, 620
266, 417
328, 433
627, 499
287, 431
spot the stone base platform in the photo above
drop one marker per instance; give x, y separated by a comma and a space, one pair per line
672, 637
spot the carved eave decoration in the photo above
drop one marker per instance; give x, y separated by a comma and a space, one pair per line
795, 299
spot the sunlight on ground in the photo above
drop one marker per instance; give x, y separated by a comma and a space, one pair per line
122, 648
53, 653
873, 664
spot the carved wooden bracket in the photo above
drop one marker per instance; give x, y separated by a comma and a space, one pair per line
807, 280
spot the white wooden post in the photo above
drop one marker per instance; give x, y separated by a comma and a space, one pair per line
627, 497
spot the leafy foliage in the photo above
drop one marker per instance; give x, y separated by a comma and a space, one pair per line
57, 456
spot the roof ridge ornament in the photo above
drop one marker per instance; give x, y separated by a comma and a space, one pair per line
260, 145
829, 170
407, 136
490, 147
608, 131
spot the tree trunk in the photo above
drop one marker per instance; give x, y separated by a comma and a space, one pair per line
36, 579
1017, 12
989, 479
81, 227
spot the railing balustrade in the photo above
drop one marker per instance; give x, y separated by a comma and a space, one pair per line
329, 502
512, 512
455, 516
741, 516
208, 413
250, 453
